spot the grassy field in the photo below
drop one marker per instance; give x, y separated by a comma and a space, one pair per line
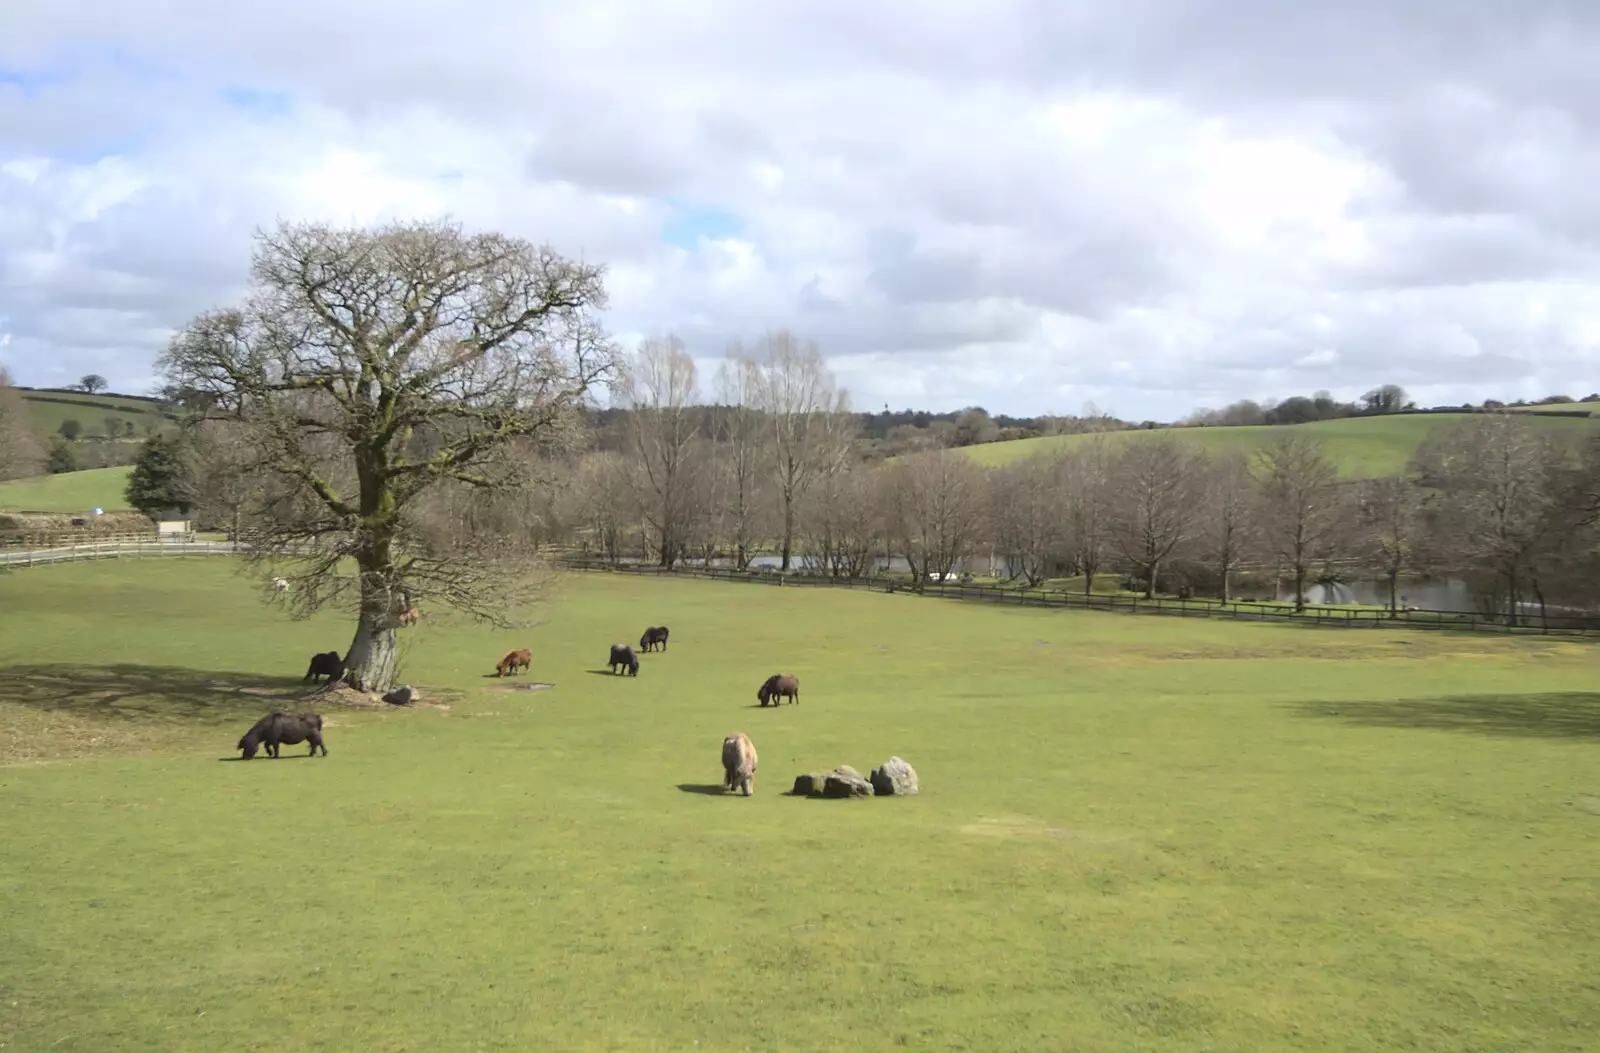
1558, 407
68, 492
49, 408
1135, 834
1365, 447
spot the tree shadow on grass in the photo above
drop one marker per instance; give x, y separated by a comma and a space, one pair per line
1554, 715
144, 693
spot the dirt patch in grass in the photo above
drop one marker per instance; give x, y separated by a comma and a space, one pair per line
341, 696
1026, 826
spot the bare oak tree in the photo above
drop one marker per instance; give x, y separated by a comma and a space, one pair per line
224, 458
1027, 514
1302, 509
739, 437
21, 453
1229, 530
841, 530
806, 420
1083, 477
660, 387
374, 369
1154, 504
1392, 530
606, 507
1496, 476
935, 511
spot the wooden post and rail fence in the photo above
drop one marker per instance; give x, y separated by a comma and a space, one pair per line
21, 552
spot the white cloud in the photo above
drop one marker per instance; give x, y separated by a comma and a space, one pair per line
1025, 205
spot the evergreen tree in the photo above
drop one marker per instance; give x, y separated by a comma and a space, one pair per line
61, 458
164, 478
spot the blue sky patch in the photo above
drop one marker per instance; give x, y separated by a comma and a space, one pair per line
692, 221
28, 82
259, 101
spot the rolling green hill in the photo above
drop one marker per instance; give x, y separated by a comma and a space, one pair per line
68, 492
1365, 447
1591, 408
48, 408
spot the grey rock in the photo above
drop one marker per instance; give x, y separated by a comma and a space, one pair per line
808, 785
895, 778
845, 781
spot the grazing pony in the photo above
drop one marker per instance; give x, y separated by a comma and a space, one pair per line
409, 616
622, 655
328, 664
739, 763
656, 634
513, 661
279, 728
778, 687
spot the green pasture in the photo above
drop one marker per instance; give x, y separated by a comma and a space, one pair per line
1364, 447
47, 409
1136, 833
68, 492
1557, 407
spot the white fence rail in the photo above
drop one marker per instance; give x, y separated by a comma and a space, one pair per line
115, 548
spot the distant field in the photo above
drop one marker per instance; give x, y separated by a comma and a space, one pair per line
68, 492
1590, 408
1365, 447
50, 408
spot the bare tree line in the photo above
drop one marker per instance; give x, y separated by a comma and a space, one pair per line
1494, 500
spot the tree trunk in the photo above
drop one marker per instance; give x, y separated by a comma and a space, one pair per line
1226, 592
1150, 580
1299, 588
370, 665
1394, 592
788, 528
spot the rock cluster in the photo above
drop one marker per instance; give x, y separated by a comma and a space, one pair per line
894, 778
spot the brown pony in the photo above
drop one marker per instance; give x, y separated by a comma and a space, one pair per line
409, 616
513, 661
739, 763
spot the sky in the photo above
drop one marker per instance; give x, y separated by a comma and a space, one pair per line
1028, 205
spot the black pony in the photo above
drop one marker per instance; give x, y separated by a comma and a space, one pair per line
279, 728
656, 634
622, 655
327, 665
